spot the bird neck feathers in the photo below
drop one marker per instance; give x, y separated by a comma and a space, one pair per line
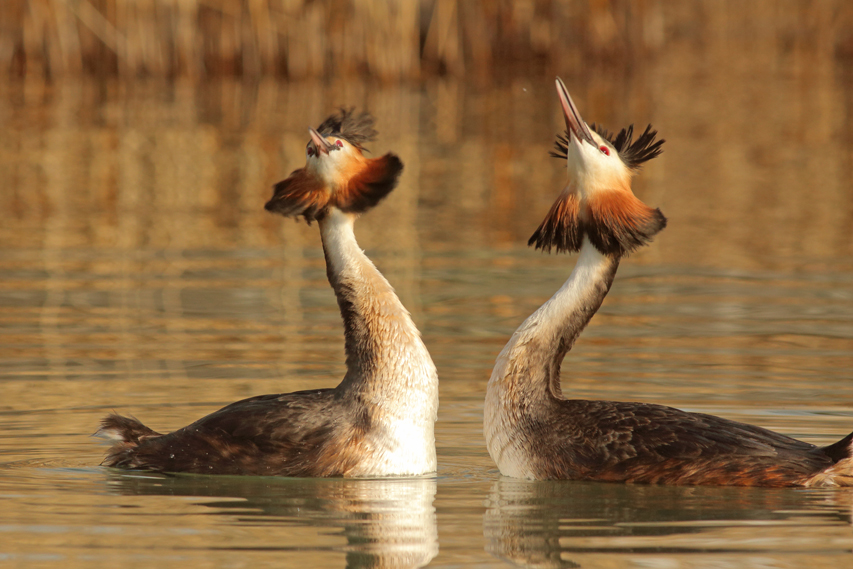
542, 341
355, 187
614, 220
380, 337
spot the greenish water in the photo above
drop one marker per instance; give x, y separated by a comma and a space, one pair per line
139, 273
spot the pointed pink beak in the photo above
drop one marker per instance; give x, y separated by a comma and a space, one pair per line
574, 122
320, 143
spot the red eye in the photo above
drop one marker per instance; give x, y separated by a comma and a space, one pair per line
339, 144
310, 151
604, 149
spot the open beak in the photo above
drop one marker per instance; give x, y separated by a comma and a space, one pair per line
320, 143
574, 123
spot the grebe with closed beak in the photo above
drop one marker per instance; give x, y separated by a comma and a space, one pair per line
379, 421
532, 431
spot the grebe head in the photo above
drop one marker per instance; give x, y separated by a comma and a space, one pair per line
594, 159
336, 172
598, 202
593, 163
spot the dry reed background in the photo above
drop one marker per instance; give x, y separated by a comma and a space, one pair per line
384, 39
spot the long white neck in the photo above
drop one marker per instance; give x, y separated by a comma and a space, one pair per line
388, 365
532, 357
527, 371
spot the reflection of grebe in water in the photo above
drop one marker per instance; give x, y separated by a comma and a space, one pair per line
543, 524
379, 421
380, 523
532, 431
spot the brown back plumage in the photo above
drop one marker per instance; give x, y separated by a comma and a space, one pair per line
305, 433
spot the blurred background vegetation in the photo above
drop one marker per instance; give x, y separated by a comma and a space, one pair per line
393, 40
133, 116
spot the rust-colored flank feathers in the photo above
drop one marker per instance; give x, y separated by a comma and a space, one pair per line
281, 435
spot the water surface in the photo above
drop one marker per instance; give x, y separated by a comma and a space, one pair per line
139, 273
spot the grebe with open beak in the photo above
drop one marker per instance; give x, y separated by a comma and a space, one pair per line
532, 431
379, 420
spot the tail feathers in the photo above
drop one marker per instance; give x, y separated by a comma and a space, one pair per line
841, 472
125, 429
840, 450
616, 223
128, 434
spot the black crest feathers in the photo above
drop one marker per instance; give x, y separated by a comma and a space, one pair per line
632, 152
354, 128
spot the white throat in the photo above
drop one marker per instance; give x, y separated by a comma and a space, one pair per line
389, 370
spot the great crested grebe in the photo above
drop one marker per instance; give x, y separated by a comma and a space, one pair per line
532, 431
380, 420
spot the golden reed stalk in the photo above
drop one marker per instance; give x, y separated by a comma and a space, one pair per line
384, 39
388, 39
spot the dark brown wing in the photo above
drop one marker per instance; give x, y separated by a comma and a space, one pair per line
634, 442
284, 435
